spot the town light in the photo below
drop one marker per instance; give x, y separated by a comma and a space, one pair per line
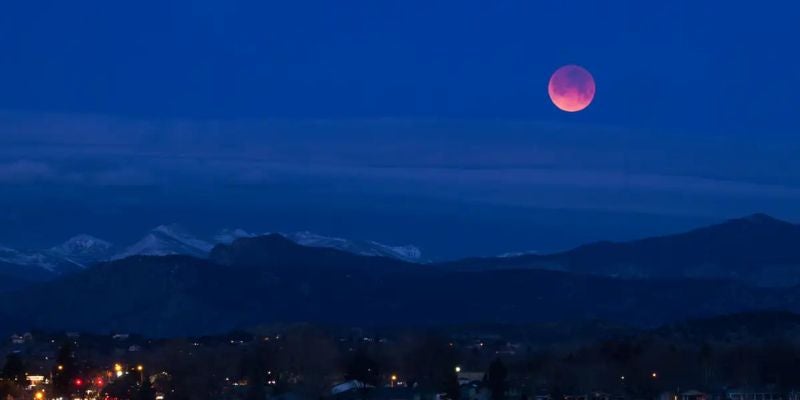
140, 368
60, 367
458, 369
117, 367
39, 396
654, 375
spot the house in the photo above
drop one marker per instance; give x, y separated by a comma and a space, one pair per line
380, 393
475, 391
693, 395
465, 377
35, 380
348, 386
753, 394
588, 396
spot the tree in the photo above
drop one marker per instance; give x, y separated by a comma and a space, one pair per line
450, 385
496, 379
363, 368
253, 367
430, 363
9, 390
14, 369
123, 387
65, 371
145, 391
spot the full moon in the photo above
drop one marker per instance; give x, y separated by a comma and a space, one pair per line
571, 88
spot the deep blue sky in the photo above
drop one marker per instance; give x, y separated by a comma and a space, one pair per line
424, 122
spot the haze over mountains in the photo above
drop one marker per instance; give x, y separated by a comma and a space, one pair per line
743, 264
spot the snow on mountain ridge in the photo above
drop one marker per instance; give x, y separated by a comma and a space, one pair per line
365, 248
408, 251
518, 254
227, 236
35, 259
177, 233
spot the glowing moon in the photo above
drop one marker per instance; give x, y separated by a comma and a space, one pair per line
571, 88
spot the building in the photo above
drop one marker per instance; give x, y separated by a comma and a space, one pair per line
752, 394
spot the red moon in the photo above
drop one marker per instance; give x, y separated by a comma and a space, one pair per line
571, 88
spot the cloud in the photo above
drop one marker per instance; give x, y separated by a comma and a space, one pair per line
25, 171
500, 162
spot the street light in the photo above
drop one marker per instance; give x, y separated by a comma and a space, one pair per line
394, 379
458, 368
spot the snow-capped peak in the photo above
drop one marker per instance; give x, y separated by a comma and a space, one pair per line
82, 244
82, 249
167, 240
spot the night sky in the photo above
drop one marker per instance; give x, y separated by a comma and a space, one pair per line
423, 122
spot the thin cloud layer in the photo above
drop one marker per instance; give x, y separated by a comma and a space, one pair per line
494, 162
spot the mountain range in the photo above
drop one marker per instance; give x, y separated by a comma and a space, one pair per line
247, 280
757, 249
84, 250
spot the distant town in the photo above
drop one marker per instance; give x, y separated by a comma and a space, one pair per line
751, 356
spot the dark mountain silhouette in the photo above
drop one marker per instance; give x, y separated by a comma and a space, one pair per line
768, 325
13, 276
757, 249
271, 279
275, 251
252, 281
